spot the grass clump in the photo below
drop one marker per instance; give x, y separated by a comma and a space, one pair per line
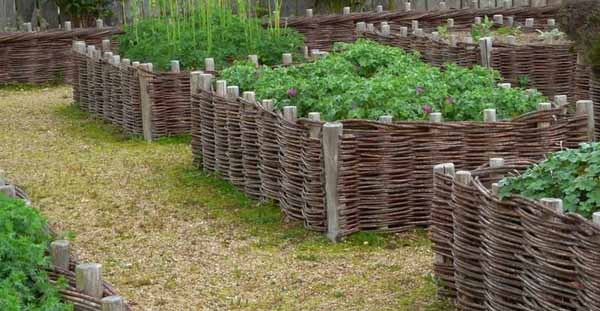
24, 285
366, 80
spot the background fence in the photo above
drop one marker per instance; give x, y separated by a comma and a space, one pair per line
13, 13
512, 253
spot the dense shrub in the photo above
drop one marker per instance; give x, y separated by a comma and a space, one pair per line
24, 284
162, 39
580, 20
367, 80
571, 175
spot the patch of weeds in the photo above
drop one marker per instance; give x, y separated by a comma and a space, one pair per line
82, 124
261, 215
25, 87
175, 139
425, 297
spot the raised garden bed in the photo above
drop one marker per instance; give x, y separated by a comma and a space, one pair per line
495, 250
40, 272
354, 175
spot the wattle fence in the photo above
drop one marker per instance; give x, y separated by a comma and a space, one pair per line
356, 175
511, 253
41, 57
85, 288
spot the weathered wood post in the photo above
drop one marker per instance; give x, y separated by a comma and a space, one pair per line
385, 30
67, 26
361, 27
485, 47
498, 19
551, 23
309, 12
99, 23
510, 21
379, 9
596, 218
209, 64
507, 4
88, 279
450, 23
59, 253
489, 115
407, 7
477, 20
286, 59
504, 85
370, 27
496, 163
332, 133
346, 10
435, 117
586, 107
414, 25
403, 31
453, 40
145, 101
386, 119
463, 177
529, 22
543, 107
553, 204
290, 113
175, 66
106, 45
195, 84
112, 303
315, 130
253, 58
27, 27
442, 5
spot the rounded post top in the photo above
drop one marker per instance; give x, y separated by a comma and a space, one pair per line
209, 64
463, 177
314, 116
489, 115
346, 10
387, 119
596, 218
333, 125
309, 12
553, 203
496, 162
435, 117
290, 113
175, 66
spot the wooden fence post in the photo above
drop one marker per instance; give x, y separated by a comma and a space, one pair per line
331, 148
485, 47
498, 19
99, 23
59, 253
28, 27
443, 6
385, 30
463, 177
206, 81
379, 9
450, 23
253, 58
489, 115
346, 10
414, 25
529, 22
88, 279
510, 21
67, 26
407, 7
586, 107
542, 107
195, 84
112, 303
106, 45
596, 218
209, 64
555, 205
403, 31
435, 117
361, 27
286, 59
146, 101
309, 12
448, 170
175, 66
496, 163
314, 131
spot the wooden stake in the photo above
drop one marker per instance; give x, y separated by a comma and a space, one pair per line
385, 30
443, 5
504, 85
332, 133
586, 107
253, 58
379, 9
267, 104
387, 119
113, 303
315, 130
346, 10
106, 45
99, 23
175, 66
309, 12
542, 107
529, 22
233, 92
88, 279
221, 87
596, 218
146, 101
435, 117
290, 113
553, 204
407, 7
195, 81
286, 58
28, 27
512, 40
489, 115
498, 19
510, 21
403, 31
206, 81
450, 23
209, 64
59, 252
414, 24
485, 46
361, 27
463, 178
370, 27
68, 26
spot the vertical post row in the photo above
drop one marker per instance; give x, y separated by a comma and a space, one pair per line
88, 279
331, 148
59, 253
586, 107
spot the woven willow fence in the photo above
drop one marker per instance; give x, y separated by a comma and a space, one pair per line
512, 253
321, 32
129, 94
40, 57
85, 289
358, 175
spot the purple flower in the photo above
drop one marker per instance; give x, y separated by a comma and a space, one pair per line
427, 109
292, 92
420, 90
450, 100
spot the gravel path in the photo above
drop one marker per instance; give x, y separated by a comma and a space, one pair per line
172, 238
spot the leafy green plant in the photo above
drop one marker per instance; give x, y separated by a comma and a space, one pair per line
212, 30
580, 20
367, 80
553, 34
523, 81
24, 285
572, 175
85, 12
509, 31
483, 29
443, 31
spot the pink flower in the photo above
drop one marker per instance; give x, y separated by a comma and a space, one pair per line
292, 92
420, 90
427, 109
450, 100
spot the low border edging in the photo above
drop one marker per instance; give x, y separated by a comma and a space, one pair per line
86, 289
512, 253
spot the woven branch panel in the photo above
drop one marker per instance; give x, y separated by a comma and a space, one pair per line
39, 57
322, 31
511, 254
70, 294
385, 170
550, 68
113, 93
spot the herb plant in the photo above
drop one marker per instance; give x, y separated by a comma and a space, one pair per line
509, 31
367, 80
572, 175
483, 29
443, 31
191, 33
24, 285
